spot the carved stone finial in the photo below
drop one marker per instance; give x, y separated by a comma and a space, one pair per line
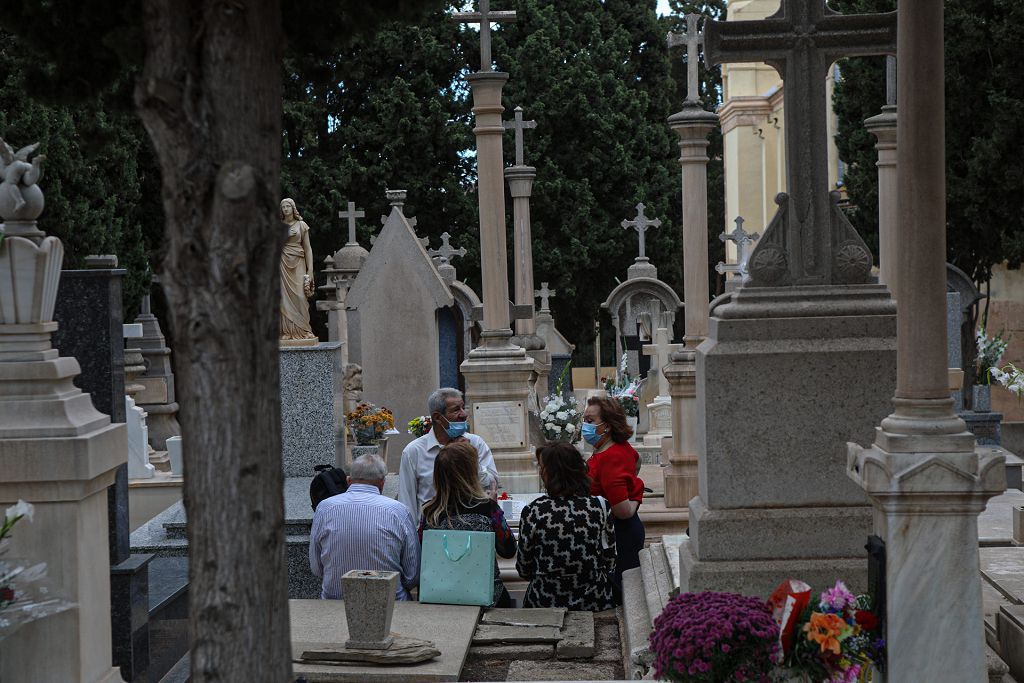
21, 199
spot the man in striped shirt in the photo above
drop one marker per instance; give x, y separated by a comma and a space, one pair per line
363, 529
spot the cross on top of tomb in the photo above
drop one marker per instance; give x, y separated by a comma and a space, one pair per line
692, 39
641, 224
545, 294
518, 126
660, 351
809, 241
485, 17
446, 251
351, 214
743, 241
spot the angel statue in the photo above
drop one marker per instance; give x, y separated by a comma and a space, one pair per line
18, 189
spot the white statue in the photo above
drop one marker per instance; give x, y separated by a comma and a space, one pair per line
20, 197
296, 278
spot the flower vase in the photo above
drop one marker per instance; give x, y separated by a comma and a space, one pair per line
366, 436
982, 398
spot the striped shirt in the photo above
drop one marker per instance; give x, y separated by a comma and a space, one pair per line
362, 529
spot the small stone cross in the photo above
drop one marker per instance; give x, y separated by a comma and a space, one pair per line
641, 224
485, 17
744, 247
446, 251
352, 214
660, 352
544, 293
692, 39
518, 125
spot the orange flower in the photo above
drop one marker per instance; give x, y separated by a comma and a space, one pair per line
825, 630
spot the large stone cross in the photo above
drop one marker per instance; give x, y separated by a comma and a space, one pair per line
351, 215
692, 39
518, 126
743, 241
446, 251
485, 17
544, 293
809, 241
660, 351
641, 224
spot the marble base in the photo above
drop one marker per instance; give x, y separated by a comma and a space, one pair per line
307, 407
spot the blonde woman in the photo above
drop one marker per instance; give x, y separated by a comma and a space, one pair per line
460, 503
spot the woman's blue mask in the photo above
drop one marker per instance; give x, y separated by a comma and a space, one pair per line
589, 431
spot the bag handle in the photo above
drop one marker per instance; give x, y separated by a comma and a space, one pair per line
469, 543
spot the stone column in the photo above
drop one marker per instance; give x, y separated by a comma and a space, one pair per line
926, 480
157, 397
883, 127
692, 125
497, 372
57, 452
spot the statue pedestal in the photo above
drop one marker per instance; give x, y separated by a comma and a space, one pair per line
307, 407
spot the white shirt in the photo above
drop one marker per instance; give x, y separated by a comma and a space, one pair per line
416, 473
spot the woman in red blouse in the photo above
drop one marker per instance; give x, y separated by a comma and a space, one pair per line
613, 472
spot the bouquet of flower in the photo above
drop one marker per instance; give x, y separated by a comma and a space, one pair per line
630, 403
418, 426
560, 417
24, 593
990, 352
368, 423
623, 388
710, 637
1010, 377
836, 638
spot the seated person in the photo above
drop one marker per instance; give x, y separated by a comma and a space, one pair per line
460, 503
566, 538
363, 529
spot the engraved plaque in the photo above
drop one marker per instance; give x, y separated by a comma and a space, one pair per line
502, 424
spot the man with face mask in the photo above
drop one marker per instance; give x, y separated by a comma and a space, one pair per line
448, 423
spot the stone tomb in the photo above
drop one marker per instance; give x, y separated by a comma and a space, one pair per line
307, 407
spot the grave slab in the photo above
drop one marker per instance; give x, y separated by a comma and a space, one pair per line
995, 524
494, 633
320, 621
577, 636
1004, 569
530, 616
536, 651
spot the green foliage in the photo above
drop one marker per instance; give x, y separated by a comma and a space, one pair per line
388, 111
984, 126
99, 179
596, 76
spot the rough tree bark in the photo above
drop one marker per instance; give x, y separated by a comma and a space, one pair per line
210, 98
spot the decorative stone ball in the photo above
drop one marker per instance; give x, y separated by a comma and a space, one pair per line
29, 211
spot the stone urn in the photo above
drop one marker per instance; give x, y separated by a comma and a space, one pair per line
982, 398
369, 605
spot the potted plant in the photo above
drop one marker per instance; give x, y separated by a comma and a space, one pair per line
714, 637
990, 353
368, 423
418, 426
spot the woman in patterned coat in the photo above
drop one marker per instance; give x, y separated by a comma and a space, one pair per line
566, 538
460, 503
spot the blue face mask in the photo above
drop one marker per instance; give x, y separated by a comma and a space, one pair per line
455, 429
589, 431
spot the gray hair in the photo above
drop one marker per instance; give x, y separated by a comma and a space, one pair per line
368, 467
438, 399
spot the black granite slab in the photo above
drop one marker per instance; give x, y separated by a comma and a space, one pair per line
129, 616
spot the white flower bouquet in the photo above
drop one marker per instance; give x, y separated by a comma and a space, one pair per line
560, 417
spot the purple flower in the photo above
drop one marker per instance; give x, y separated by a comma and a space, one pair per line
837, 598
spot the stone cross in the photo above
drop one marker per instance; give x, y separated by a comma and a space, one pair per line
352, 214
692, 39
641, 224
544, 293
660, 351
808, 242
485, 17
446, 251
744, 242
518, 125
890, 80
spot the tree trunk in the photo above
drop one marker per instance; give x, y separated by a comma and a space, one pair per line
210, 98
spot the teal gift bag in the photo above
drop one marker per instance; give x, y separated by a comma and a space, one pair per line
457, 567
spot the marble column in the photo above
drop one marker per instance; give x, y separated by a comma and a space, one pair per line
692, 125
926, 480
883, 127
497, 372
57, 452
157, 397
